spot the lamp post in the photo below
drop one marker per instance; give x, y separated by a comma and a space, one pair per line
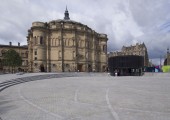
62, 47
167, 56
167, 59
160, 61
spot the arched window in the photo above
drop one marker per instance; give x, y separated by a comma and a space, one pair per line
59, 42
59, 54
104, 48
74, 54
73, 42
56, 42
41, 40
65, 42
87, 44
79, 43
82, 43
35, 40
67, 65
35, 52
51, 41
68, 42
86, 55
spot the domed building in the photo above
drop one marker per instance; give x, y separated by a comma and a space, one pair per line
65, 45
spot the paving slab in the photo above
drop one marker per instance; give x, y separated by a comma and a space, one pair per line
88, 97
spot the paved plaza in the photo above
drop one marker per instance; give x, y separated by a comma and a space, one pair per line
84, 96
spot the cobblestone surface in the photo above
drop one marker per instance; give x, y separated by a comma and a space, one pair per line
87, 97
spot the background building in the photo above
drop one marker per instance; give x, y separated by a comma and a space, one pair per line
66, 45
23, 52
138, 50
167, 59
126, 65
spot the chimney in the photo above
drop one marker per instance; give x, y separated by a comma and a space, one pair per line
10, 43
18, 44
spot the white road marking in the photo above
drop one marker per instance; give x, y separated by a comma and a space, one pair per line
38, 107
114, 114
146, 111
75, 96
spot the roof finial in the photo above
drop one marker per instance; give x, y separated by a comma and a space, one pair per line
66, 8
168, 50
66, 17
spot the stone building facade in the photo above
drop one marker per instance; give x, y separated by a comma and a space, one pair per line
138, 49
23, 52
65, 45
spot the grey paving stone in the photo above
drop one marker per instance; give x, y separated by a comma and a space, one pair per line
87, 97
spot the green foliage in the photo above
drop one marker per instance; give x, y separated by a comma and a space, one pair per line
166, 68
12, 58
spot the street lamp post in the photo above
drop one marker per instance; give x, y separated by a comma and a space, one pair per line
167, 56
62, 47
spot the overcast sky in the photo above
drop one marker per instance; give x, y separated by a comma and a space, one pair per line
126, 22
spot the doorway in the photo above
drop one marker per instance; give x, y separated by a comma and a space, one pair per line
79, 67
89, 68
42, 68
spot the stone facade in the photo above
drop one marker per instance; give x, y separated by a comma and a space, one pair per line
138, 49
65, 45
23, 52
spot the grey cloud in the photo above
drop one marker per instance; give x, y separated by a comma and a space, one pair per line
124, 21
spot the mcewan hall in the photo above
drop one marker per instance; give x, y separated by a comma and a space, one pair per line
59, 46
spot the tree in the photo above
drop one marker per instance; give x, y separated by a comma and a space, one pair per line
12, 59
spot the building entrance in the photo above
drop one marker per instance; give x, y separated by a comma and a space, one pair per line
42, 68
79, 67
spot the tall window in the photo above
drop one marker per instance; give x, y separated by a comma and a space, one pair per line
35, 40
59, 42
26, 54
79, 43
51, 42
86, 55
74, 54
87, 44
104, 48
68, 42
23, 62
73, 42
41, 40
65, 42
35, 52
59, 54
55, 43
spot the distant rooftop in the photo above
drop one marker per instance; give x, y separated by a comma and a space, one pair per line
10, 45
